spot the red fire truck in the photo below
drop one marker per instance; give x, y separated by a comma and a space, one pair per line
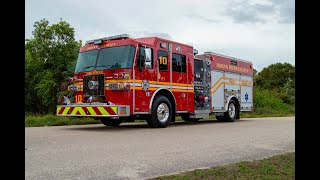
119, 79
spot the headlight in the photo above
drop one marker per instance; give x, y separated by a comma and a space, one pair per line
93, 84
73, 88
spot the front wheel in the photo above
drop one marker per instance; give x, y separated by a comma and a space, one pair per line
161, 113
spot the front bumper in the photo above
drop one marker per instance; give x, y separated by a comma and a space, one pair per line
93, 110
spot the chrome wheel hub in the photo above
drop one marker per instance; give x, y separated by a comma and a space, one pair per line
163, 112
232, 110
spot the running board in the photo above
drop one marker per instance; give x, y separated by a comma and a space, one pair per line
200, 114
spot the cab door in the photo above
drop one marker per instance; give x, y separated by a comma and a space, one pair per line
144, 77
179, 80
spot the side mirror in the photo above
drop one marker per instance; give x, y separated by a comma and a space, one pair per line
148, 57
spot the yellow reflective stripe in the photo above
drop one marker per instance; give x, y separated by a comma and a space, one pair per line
182, 90
218, 87
118, 81
115, 108
103, 111
222, 78
75, 110
140, 88
168, 83
92, 112
58, 109
66, 110
81, 111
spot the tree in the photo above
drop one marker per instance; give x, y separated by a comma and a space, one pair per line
255, 72
50, 57
279, 78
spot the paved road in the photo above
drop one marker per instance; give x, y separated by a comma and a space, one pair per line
134, 151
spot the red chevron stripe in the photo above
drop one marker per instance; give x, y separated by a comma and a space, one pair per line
85, 110
96, 110
110, 110
61, 110
70, 110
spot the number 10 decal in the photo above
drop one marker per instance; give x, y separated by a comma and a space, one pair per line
78, 98
163, 60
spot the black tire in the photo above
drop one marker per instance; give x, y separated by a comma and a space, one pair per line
111, 122
220, 118
227, 116
186, 117
153, 120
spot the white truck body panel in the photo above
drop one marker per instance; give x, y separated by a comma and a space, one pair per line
246, 93
217, 90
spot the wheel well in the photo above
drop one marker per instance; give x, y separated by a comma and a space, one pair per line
236, 101
168, 94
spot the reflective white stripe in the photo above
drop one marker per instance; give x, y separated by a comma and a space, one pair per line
136, 84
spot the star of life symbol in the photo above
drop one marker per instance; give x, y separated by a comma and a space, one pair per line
246, 97
145, 85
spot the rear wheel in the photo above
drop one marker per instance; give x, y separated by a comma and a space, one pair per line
111, 122
161, 113
231, 114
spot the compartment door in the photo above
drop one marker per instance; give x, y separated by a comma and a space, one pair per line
246, 93
217, 90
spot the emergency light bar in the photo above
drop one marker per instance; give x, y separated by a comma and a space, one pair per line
195, 52
120, 36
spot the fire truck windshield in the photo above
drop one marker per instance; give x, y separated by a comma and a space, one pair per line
86, 60
108, 58
115, 57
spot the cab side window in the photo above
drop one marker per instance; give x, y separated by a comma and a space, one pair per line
163, 60
141, 57
178, 63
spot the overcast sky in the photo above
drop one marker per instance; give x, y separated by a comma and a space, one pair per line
261, 31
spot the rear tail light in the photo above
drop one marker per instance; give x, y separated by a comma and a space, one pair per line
122, 110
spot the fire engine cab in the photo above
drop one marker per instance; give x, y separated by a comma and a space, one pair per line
119, 79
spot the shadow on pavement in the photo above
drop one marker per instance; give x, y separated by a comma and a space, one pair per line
142, 125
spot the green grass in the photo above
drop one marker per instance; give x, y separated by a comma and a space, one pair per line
52, 120
267, 111
276, 167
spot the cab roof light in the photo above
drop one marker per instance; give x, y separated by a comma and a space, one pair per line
97, 42
195, 52
120, 36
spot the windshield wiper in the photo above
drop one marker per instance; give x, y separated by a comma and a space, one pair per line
116, 65
83, 70
106, 66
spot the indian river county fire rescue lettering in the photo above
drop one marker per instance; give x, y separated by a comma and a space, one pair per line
119, 79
